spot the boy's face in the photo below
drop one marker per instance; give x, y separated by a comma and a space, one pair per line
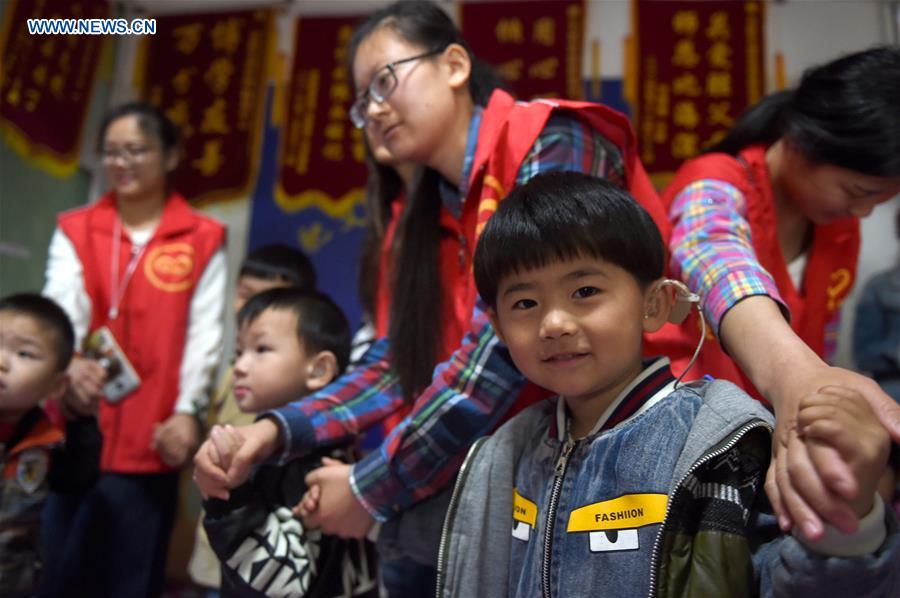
28, 370
573, 327
251, 285
271, 365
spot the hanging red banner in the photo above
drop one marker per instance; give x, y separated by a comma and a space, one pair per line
700, 64
322, 156
208, 73
46, 82
536, 46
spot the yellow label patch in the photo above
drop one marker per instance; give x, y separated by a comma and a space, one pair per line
625, 512
523, 509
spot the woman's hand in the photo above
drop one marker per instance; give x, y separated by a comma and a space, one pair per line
176, 439
86, 380
336, 509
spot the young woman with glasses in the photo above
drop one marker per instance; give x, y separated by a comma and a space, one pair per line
144, 266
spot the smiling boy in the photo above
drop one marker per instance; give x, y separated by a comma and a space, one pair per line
627, 484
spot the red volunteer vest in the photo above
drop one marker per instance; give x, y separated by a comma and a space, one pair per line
508, 131
153, 315
828, 278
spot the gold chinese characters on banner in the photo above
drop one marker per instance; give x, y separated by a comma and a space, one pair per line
46, 82
700, 64
322, 156
535, 46
208, 73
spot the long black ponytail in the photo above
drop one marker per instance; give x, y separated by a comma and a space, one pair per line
415, 333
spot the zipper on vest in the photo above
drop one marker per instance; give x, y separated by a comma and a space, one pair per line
558, 476
654, 559
451, 514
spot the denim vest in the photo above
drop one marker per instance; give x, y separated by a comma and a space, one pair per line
603, 503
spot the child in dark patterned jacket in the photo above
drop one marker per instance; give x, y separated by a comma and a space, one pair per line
36, 344
290, 342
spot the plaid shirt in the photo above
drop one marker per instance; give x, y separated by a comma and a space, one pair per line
469, 393
712, 250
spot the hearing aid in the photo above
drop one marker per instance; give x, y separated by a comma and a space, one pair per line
681, 307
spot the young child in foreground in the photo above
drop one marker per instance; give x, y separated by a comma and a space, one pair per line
626, 485
290, 342
36, 344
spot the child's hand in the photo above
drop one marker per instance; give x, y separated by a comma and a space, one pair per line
309, 504
226, 441
213, 460
841, 419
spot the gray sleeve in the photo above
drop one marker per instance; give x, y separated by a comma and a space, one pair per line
788, 568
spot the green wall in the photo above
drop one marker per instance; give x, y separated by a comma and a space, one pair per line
30, 197
29, 201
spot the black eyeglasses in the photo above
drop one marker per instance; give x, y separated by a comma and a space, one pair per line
127, 154
380, 88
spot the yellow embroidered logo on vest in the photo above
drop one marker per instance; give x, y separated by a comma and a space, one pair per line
169, 267
626, 512
841, 281
524, 516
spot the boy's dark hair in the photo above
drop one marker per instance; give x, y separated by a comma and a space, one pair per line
51, 316
321, 325
561, 216
280, 261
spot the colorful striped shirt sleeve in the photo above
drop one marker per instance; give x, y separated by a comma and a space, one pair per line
712, 249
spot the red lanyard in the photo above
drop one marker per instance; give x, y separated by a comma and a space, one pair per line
117, 288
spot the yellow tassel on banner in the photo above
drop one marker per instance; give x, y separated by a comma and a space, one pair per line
596, 87
780, 72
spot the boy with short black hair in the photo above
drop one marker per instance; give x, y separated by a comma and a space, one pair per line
36, 345
628, 484
271, 266
290, 342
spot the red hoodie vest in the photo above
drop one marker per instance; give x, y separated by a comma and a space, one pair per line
153, 316
508, 131
827, 280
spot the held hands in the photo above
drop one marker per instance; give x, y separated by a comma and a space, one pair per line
226, 442
86, 380
812, 479
215, 475
842, 419
176, 439
329, 502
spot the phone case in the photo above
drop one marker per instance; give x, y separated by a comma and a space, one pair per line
121, 377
